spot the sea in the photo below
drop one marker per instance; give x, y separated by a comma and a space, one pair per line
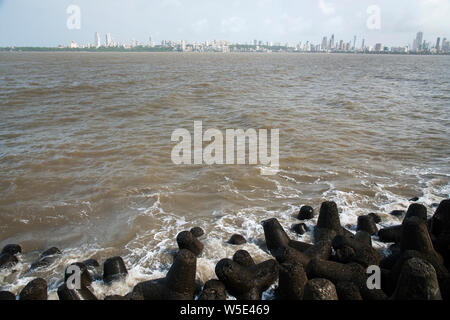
86, 143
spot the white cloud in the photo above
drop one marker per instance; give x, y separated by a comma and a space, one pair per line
435, 15
429, 16
200, 25
336, 23
233, 24
264, 3
236, 3
326, 8
295, 24
171, 3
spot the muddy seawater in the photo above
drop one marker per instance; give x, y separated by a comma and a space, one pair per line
85, 151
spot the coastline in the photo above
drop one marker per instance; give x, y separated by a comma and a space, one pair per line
172, 50
415, 266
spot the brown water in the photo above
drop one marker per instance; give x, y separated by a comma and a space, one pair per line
85, 150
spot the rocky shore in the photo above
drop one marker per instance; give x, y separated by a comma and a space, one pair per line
334, 267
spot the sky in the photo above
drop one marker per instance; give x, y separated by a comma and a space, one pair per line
394, 22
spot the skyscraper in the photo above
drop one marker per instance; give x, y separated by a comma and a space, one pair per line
414, 46
419, 41
363, 46
324, 43
97, 40
438, 44
108, 40
445, 45
354, 43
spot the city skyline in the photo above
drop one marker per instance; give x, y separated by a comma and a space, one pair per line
27, 23
419, 45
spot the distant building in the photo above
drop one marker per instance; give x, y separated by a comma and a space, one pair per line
73, 45
307, 46
399, 49
151, 44
97, 40
109, 41
419, 41
438, 44
324, 43
445, 45
378, 47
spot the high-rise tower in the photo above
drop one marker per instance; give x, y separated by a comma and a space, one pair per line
419, 41
108, 40
324, 43
97, 40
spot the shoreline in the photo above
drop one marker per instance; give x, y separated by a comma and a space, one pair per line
170, 50
337, 260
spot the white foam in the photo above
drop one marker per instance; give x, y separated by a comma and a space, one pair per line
149, 255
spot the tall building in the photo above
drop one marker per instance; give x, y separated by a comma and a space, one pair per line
363, 46
98, 43
438, 44
414, 45
324, 43
332, 43
419, 41
109, 42
445, 45
354, 43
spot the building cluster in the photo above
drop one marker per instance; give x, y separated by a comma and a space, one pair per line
419, 46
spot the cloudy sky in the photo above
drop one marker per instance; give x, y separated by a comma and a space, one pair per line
44, 22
